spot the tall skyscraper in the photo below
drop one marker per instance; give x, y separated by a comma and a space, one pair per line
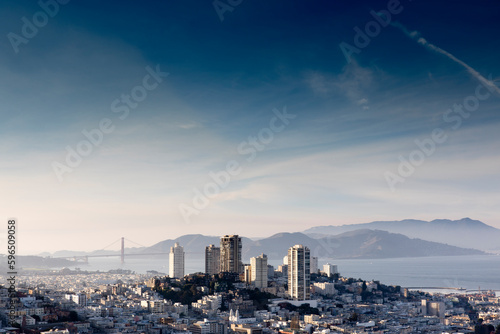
314, 264
212, 260
299, 276
247, 273
230, 254
176, 257
259, 271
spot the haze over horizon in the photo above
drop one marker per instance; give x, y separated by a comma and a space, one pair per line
302, 136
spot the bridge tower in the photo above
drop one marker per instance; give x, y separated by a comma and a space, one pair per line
123, 250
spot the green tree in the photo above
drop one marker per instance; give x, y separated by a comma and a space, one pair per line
73, 316
354, 317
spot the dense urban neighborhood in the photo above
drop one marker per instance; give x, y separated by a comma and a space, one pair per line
74, 301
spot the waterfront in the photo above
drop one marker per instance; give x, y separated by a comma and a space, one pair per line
469, 272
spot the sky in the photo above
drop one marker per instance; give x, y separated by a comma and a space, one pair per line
150, 120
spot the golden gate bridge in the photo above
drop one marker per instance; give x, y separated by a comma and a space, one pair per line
122, 254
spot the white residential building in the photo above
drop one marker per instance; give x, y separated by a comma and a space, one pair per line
330, 269
324, 289
259, 271
299, 272
176, 263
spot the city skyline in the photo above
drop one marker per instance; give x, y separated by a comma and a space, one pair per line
156, 120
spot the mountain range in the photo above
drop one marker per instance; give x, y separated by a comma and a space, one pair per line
360, 244
465, 232
379, 239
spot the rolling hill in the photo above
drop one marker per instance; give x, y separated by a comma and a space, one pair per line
361, 244
465, 232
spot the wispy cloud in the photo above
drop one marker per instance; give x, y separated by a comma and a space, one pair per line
326, 168
415, 35
188, 126
354, 82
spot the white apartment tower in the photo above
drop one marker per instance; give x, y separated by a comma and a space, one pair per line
176, 258
330, 269
259, 271
299, 275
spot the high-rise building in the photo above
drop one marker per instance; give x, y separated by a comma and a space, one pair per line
283, 269
436, 309
247, 273
330, 269
79, 298
230, 254
259, 271
212, 260
270, 271
299, 275
314, 264
176, 258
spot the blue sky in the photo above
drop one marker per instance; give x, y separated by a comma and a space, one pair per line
327, 165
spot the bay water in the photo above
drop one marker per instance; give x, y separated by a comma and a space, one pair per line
470, 272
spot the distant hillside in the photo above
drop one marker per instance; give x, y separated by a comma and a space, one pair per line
68, 253
355, 243
192, 243
376, 244
465, 232
358, 244
276, 246
29, 261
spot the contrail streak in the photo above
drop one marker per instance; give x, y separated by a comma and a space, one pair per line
415, 35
